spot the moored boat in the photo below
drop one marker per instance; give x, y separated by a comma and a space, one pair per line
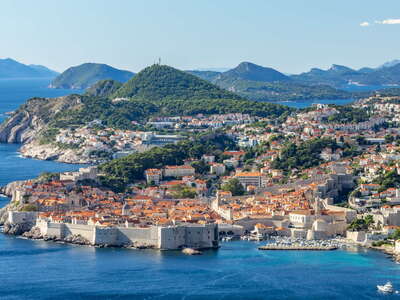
387, 288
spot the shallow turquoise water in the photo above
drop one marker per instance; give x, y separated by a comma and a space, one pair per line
46, 270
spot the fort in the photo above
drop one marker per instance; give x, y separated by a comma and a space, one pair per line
174, 237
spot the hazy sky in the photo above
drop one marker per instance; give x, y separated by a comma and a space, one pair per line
290, 35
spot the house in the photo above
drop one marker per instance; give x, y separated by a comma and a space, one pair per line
217, 169
249, 178
178, 171
153, 176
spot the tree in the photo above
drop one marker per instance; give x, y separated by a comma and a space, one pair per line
389, 138
361, 140
369, 220
201, 167
395, 235
234, 186
362, 224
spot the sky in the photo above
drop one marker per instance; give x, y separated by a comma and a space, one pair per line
289, 35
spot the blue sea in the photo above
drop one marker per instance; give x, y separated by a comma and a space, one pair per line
46, 270
308, 103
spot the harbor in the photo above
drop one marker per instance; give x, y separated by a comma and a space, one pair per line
297, 247
301, 244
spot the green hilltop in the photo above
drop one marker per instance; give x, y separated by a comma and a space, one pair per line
103, 88
156, 91
159, 82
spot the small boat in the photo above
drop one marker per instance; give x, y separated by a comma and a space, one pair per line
191, 251
387, 288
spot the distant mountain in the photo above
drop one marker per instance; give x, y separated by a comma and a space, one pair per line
206, 75
85, 75
339, 76
10, 68
389, 64
382, 76
44, 70
336, 76
103, 88
266, 84
250, 71
159, 82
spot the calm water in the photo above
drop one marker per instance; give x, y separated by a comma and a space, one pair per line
40, 270
14, 92
307, 103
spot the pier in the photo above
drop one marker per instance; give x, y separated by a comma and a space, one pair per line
297, 247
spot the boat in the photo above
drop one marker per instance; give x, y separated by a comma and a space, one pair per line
191, 251
387, 288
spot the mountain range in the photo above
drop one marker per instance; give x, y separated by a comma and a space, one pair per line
10, 68
340, 76
266, 84
246, 80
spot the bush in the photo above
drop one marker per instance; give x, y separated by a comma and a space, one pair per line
29, 207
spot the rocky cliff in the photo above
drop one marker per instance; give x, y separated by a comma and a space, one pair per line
33, 116
52, 152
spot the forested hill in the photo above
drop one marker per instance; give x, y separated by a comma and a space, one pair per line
159, 82
86, 75
103, 88
253, 72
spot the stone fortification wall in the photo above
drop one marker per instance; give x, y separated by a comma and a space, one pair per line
86, 231
172, 237
138, 236
19, 217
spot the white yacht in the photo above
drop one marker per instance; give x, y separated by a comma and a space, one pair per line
387, 288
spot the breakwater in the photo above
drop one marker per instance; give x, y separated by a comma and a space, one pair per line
297, 247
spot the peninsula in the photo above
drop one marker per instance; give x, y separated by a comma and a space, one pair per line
181, 163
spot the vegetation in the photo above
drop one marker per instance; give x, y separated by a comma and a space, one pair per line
159, 82
183, 191
234, 186
282, 90
121, 114
48, 176
395, 235
361, 224
381, 243
348, 114
303, 156
103, 88
119, 173
48, 136
29, 207
388, 180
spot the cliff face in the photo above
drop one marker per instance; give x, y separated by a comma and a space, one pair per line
33, 116
51, 152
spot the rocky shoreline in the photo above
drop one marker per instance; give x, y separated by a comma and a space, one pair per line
50, 152
33, 233
388, 250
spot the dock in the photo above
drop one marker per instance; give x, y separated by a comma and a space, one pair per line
297, 247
